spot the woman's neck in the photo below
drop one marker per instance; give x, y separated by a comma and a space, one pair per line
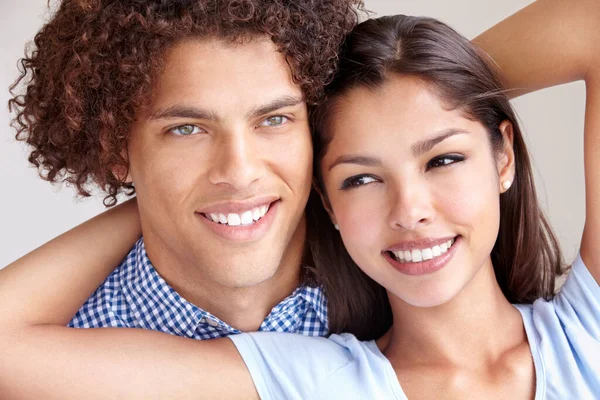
476, 328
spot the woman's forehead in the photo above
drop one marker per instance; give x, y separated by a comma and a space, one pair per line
400, 106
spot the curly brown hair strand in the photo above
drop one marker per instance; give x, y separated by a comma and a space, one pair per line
93, 65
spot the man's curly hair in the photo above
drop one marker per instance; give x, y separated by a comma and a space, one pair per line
93, 64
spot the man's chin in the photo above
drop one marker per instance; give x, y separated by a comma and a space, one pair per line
244, 279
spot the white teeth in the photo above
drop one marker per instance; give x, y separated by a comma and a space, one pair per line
419, 255
427, 254
233, 220
245, 218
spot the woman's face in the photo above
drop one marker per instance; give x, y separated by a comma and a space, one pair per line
414, 189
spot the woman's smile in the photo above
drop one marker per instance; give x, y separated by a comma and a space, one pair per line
416, 259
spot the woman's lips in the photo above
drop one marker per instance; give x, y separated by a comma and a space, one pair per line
426, 260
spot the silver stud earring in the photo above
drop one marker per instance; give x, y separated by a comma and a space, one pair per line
336, 227
506, 184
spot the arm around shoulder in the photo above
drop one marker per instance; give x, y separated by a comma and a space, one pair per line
41, 358
119, 363
48, 285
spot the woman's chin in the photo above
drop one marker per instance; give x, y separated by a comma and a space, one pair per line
426, 296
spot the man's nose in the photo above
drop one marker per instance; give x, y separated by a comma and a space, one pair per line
236, 162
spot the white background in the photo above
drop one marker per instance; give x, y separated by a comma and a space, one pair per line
32, 211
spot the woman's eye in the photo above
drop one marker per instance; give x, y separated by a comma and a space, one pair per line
356, 181
275, 120
442, 161
185, 130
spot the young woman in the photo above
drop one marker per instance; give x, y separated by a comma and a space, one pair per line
423, 170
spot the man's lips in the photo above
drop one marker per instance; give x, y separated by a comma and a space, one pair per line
237, 207
234, 227
236, 219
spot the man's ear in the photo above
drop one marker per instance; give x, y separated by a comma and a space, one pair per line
506, 158
324, 200
122, 171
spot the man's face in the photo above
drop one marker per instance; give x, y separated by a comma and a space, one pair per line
222, 162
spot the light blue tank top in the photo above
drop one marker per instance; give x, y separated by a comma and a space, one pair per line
564, 337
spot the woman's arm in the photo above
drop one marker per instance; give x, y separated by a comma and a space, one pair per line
54, 362
49, 284
548, 43
41, 358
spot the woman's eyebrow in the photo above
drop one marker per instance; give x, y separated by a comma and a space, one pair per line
356, 159
418, 148
425, 145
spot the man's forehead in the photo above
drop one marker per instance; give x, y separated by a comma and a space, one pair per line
214, 53
219, 77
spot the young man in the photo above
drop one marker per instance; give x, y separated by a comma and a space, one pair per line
201, 108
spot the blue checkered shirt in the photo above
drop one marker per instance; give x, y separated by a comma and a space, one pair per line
135, 296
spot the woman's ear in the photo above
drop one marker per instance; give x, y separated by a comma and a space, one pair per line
506, 158
325, 201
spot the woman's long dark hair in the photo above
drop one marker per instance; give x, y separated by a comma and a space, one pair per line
526, 255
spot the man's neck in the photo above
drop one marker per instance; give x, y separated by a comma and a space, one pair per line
244, 308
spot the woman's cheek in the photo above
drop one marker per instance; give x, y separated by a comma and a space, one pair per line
360, 221
461, 203
470, 201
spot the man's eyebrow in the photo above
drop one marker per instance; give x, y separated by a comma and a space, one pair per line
281, 102
424, 146
180, 111
356, 159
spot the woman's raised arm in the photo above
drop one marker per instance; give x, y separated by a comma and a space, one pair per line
548, 43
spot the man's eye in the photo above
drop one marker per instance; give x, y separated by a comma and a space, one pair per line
185, 130
442, 161
275, 120
355, 181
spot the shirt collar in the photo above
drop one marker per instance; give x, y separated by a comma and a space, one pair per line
157, 306
154, 303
